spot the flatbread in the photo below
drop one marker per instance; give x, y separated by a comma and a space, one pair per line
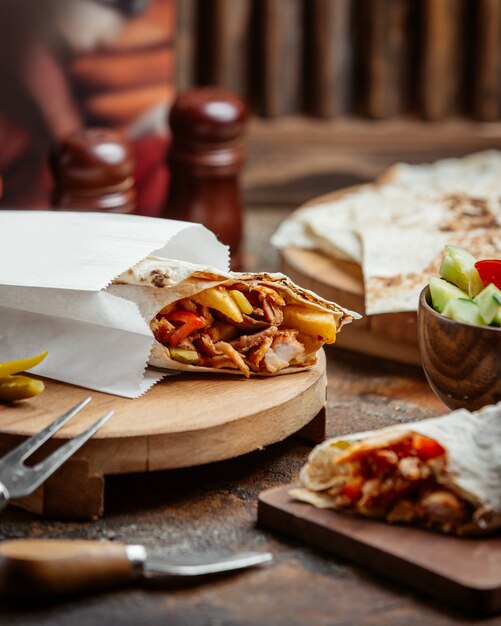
474, 174
403, 221
335, 227
398, 263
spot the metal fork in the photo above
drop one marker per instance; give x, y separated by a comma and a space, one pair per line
18, 480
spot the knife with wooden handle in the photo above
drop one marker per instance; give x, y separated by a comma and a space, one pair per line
35, 568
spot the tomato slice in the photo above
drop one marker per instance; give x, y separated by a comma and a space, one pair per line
490, 271
190, 322
185, 317
426, 448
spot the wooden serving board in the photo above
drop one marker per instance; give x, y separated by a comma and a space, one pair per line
389, 335
182, 421
465, 573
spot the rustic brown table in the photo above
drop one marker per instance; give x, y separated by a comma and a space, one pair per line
214, 507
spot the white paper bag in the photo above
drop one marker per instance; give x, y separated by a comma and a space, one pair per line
53, 269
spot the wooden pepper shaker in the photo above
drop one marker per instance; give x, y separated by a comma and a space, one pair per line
93, 170
206, 158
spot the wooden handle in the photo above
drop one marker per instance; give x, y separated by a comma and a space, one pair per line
51, 567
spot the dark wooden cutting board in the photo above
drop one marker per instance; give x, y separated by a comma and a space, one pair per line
464, 573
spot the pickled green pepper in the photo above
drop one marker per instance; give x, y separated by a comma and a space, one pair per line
14, 387
19, 388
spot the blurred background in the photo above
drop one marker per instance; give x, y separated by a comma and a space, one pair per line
71, 64
338, 89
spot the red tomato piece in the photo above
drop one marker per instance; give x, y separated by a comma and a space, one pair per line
490, 271
353, 488
426, 448
182, 316
190, 322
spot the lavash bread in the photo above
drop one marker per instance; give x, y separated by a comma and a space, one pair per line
398, 262
379, 226
473, 174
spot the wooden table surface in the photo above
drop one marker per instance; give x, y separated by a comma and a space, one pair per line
214, 507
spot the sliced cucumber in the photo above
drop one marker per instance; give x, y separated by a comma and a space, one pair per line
183, 355
463, 310
488, 301
497, 319
442, 292
458, 267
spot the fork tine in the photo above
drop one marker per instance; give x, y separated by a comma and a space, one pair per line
22, 451
26, 479
41, 471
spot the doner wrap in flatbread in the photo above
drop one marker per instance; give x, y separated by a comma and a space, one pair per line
205, 320
442, 473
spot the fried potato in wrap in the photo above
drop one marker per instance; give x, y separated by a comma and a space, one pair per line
204, 320
442, 473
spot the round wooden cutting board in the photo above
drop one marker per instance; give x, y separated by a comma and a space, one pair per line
389, 335
182, 421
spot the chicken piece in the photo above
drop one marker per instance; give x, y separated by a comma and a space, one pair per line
443, 507
267, 292
272, 313
413, 468
161, 329
284, 348
237, 359
187, 305
246, 342
249, 324
214, 333
368, 504
186, 344
256, 355
403, 511
382, 461
222, 361
379, 494
206, 345
222, 331
266, 303
205, 313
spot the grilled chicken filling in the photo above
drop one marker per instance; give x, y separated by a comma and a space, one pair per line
397, 482
248, 326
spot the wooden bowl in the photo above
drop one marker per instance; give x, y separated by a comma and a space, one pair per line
462, 362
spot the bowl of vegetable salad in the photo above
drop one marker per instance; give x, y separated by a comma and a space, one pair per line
459, 328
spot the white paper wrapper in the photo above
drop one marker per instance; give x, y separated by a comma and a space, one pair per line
54, 267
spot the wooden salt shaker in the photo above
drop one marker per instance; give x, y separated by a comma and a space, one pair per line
206, 158
93, 170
